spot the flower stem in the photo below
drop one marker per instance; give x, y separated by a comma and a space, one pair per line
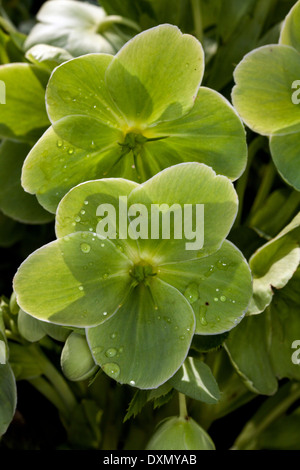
197, 15
182, 406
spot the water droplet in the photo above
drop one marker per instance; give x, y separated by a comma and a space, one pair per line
85, 247
111, 352
105, 276
233, 301
168, 319
111, 369
223, 298
86, 202
77, 219
159, 317
191, 293
218, 319
132, 382
59, 143
216, 299
202, 314
102, 245
82, 212
210, 271
95, 106
91, 229
92, 144
121, 349
217, 290
104, 314
70, 151
221, 264
80, 287
113, 335
182, 337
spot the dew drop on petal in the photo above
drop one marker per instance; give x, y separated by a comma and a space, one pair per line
132, 382
191, 293
202, 315
223, 298
77, 219
111, 369
85, 247
111, 352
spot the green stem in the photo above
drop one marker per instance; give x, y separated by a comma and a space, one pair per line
182, 406
264, 189
59, 384
197, 15
254, 146
46, 389
268, 413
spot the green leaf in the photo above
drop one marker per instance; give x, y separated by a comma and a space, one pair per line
154, 326
10, 231
84, 431
285, 153
274, 264
290, 32
46, 56
24, 116
219, 288
25, 361
76, 359
196, 380
14, 202
145, 94
180, 434
211, 133
283, 434
285, 329
83, 291
248, 349
8, 397
263, 91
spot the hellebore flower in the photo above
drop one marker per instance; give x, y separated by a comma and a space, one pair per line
132, 115
141, 300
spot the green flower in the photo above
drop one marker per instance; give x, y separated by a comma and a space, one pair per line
266, 96
140, 300
133, 115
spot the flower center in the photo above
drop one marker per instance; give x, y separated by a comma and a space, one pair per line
141, 272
